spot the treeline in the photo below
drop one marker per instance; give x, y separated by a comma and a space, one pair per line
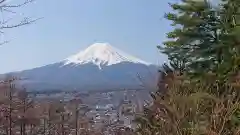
199, 91
23, 114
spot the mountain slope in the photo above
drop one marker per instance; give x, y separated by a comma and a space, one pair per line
99, 67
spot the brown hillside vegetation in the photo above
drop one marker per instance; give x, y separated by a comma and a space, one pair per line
188, 108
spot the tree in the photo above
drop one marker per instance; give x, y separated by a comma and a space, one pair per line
206, 43
9, 105
191, 43
7, 9
205, 39
24, 104
52, 118
191, 108
74, 106
230, 39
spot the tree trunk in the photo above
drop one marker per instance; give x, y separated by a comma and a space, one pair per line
62, 124
10, 110
49, 128
44, 126
31, 129
23, 120
49, 122
76, 122
6, 130
21, 128
24, 127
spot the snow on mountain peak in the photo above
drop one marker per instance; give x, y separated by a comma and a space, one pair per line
101, 54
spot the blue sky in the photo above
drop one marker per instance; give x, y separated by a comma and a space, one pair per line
134, 26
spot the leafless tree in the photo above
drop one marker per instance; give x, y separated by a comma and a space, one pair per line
8, 105
74, 106
24, 104
8, 9
24, 115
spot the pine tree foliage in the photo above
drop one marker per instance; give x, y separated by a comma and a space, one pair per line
204, 43
202, 38
196, 31
230, 38
205, 39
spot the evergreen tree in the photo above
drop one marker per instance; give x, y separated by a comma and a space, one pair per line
205, 39
196, 33
205, 42
230, 37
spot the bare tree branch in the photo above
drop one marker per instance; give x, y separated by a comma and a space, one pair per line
2, 1
5, 42
5, 21
8, 10
15, 6
25, 21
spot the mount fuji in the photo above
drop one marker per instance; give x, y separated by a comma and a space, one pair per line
98, 67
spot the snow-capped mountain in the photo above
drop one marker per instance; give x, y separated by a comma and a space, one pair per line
102, 54
98, 67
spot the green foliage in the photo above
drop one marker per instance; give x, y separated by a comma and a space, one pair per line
204, 39
230, 18
199, 94
195, 29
